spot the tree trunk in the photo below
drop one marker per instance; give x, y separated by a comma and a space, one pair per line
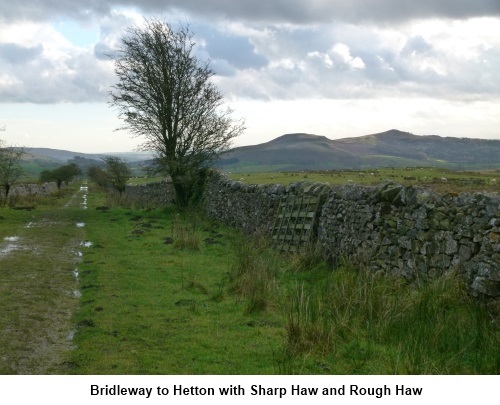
182, 188
189, 186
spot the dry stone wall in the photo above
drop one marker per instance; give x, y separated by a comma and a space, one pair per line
251, 207
416, 233
409, 231
33, 189
156, 194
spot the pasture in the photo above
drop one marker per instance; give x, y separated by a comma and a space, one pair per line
440, 180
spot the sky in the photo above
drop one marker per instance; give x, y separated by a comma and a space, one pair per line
339, 68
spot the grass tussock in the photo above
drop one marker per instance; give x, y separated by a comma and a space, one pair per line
254, 275
427, 329
185, 234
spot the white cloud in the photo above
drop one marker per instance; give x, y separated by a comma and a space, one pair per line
343, 51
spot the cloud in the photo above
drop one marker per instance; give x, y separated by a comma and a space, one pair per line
43, 67
294, 11
18, 54
284, 56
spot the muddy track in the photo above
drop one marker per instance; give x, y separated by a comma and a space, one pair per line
39, 289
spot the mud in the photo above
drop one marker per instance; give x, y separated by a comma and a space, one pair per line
38, 335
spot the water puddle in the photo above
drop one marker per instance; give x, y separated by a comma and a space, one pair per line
10, 247
30, 225
71, 334
76, 273
80, 224
86, 244
76, 294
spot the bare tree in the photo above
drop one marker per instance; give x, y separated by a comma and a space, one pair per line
117, 173
10, 167
165, 95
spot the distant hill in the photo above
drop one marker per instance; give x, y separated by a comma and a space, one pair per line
299, 151
65, 155
37, 159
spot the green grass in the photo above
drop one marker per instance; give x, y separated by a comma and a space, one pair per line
170, 292
155, 299
144, 180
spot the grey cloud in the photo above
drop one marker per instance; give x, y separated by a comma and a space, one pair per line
299, 11
52, 9
15, 54
416, 44
102, 51
237, 51
294, 11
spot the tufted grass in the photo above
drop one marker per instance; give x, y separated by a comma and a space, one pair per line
352, 321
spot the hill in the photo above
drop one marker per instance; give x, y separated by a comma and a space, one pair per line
62, 156
37, 159
299, 151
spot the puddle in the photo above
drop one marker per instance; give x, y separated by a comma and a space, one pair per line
76, 294
76, 273
7, 249
71, 334
80, 224
30, 225
79, 254
10, 247
86, 244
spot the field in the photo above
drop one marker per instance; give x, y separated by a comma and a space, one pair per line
91, 287
440, 180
